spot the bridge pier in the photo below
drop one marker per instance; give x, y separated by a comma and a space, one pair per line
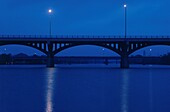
124, 61
50, 55
50, 60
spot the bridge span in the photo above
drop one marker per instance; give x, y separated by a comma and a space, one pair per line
51, 45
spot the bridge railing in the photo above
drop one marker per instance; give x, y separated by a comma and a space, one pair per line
60, 36
82, 36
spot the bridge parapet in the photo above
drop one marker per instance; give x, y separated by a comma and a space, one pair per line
83, 36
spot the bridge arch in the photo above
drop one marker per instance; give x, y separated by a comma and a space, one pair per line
26, 45
150, 48
79, 45
145, 45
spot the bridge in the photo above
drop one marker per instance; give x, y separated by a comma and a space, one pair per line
51, 45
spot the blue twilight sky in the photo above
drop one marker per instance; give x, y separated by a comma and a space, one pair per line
83, 17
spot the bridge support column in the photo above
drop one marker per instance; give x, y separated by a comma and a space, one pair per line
50, 60
124, 56
124, 61
50, 56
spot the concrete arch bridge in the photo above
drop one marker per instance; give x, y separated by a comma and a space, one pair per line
51, 45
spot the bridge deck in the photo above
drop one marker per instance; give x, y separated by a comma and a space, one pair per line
84, 38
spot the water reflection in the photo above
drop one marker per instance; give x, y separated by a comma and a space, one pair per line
50, 90
124, 96
151, 91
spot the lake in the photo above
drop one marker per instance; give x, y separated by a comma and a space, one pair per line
84, 88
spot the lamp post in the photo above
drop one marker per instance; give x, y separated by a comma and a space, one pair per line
50, 11
125, 6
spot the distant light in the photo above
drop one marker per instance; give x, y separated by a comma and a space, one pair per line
150, 49
103, 49
5, 49
125, 6
49, 11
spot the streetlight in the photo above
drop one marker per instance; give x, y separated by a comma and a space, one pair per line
125, 7
50, 11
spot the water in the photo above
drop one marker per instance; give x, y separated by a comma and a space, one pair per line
84, 89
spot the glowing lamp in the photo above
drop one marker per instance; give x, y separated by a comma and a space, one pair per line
49, 11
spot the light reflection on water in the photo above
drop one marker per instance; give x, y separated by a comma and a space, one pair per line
81, 89
124, 96
151, 91
50, 90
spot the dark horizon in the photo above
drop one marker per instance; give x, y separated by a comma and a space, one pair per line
8, 59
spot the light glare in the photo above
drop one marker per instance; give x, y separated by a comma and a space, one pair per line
50, 11
125, 6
